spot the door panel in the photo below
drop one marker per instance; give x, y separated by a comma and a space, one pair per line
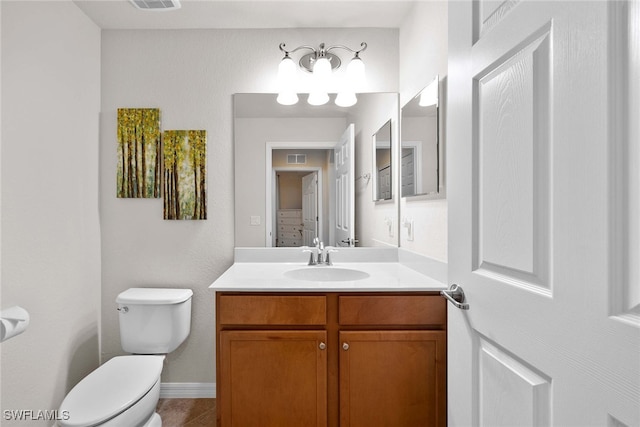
511, 162
309, 208
522, 394
408, 171
625, 156
344, 158
534, 151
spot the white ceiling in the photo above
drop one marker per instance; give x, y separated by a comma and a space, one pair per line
203, 14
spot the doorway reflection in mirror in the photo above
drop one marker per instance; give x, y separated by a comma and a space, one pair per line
420, 153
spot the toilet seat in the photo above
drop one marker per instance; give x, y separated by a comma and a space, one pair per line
110, 390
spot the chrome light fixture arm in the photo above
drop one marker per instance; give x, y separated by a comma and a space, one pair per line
287, 52
306, 61
363, 46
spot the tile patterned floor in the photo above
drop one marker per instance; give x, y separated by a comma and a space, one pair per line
187, 412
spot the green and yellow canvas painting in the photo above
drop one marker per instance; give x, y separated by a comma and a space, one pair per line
185, 174
139, 135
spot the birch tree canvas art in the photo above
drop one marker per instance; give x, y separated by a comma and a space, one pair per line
185, 174
138, 174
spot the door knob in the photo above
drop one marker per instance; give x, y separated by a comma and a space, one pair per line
322, 346
345, 346
455, 295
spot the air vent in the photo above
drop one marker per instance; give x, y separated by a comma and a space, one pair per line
156, 4
296, 159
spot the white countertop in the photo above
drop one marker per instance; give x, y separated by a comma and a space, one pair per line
270, 277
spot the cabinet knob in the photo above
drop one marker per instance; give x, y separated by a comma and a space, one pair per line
345, 346
322, 346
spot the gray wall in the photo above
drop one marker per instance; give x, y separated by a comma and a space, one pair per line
50, 223
191, 76
423, 54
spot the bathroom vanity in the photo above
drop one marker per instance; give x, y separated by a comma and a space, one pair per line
296, 350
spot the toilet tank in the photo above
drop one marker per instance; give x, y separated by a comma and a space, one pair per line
154, 320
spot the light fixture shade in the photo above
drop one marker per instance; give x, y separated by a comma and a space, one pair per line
429, 95
286, 71
322, 68
321, 75
286, 82
346, 99
318, 98
321, 63
287, 98
355, 72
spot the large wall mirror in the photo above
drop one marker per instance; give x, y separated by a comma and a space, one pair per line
382, 165
303, 171
420, 159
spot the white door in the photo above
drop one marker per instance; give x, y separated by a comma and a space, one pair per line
309, 208
543, 213
384, 183
344, 189
407, 170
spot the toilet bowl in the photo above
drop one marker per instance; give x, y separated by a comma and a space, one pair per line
125, 390
122, 392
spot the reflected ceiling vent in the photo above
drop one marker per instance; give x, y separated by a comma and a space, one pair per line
296, 159
156, 4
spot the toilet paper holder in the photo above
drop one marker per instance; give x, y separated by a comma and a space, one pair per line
13, 321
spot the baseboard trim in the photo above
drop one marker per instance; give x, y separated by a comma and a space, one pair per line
187, 390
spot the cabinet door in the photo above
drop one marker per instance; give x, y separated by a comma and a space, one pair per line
273, 378
392, 378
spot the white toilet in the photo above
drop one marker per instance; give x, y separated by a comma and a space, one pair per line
125, 390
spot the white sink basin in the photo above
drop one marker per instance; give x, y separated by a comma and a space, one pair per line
326, 274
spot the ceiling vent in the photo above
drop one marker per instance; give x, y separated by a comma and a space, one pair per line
156, 4
296, 159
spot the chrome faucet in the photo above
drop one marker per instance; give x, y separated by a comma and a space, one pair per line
322, 253
320, 249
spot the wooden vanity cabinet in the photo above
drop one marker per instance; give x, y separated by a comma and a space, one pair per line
392, 378
332, 359
273, 378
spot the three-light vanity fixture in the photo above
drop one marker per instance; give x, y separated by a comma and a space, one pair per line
320, 63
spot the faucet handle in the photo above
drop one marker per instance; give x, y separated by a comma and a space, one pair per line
327, 258
312, 260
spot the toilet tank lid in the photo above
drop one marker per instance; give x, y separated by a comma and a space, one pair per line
153, 296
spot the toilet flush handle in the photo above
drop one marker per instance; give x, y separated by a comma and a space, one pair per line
123, 309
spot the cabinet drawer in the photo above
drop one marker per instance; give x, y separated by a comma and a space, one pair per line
290, 221
289, 235
289, 242
392, 310
290, 228
290, 214
272, 310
